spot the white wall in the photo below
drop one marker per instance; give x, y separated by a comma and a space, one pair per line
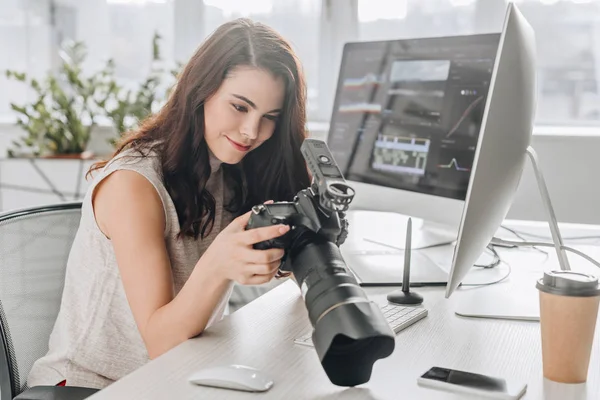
571, 167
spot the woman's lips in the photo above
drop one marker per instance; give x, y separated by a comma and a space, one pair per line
238, 146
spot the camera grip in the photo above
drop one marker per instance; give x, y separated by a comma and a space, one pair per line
259, 219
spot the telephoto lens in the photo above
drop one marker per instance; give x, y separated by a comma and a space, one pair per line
350, 332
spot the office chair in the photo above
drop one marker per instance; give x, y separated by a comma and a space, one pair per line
34, 248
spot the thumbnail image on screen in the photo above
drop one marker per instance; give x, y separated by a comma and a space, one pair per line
400, 154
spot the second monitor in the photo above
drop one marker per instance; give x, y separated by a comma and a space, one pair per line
405, 125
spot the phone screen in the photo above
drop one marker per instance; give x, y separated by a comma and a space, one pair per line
468, 379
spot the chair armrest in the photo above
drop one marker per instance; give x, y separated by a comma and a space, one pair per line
56, 393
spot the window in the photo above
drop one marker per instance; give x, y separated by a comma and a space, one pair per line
568, 44
296, 20
134, 27
25, 47
123, 30
184, 24
567, 34
414, 18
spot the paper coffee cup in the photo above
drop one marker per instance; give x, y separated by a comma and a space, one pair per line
568, 313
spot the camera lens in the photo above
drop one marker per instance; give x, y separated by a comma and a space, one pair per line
350, 332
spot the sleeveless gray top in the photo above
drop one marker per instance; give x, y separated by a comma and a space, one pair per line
95, 339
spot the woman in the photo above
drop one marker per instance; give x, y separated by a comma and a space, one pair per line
157, 252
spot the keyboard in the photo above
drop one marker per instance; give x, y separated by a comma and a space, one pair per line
399, 317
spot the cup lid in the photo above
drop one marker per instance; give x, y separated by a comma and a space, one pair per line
569, 283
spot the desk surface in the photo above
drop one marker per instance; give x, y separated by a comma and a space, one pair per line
261, 334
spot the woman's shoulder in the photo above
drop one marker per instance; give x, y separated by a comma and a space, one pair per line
143, 158
143, 161
147, 167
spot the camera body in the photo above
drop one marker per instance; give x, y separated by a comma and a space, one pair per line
316, 211
350, 332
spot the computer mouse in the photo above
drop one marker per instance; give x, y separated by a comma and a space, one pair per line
237, 377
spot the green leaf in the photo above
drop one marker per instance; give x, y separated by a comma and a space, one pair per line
19, 76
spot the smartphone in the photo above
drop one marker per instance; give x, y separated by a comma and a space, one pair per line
476, 384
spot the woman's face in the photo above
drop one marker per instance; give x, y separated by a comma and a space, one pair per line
242, 113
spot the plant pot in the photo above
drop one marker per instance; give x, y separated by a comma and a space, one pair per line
86, 155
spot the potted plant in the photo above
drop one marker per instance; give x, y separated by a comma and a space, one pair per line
59, 121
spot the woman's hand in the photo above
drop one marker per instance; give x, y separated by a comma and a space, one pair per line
232, 257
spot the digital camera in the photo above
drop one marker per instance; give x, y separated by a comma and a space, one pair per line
349, 332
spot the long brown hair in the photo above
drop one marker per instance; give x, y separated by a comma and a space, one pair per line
274, 171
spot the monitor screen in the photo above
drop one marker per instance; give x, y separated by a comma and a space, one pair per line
407, 113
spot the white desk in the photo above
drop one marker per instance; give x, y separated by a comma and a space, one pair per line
261, 334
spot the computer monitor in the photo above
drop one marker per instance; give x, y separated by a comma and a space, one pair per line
406, 123
501, 150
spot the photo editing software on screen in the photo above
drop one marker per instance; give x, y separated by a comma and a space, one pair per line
407, 113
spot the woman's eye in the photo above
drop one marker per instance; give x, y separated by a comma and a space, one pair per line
239, 108
271, 117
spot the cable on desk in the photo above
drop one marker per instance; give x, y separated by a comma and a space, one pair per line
475, 285
495, 262
490, 283
543, 244
520, 235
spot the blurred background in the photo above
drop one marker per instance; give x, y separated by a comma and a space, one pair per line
105, 64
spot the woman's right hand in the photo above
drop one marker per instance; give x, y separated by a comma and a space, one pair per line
232, 257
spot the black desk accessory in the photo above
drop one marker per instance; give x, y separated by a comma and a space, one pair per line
405, 296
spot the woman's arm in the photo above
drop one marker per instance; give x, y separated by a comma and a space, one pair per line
130, 213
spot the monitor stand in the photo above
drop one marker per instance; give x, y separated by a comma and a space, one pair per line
523, 303
390, 234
